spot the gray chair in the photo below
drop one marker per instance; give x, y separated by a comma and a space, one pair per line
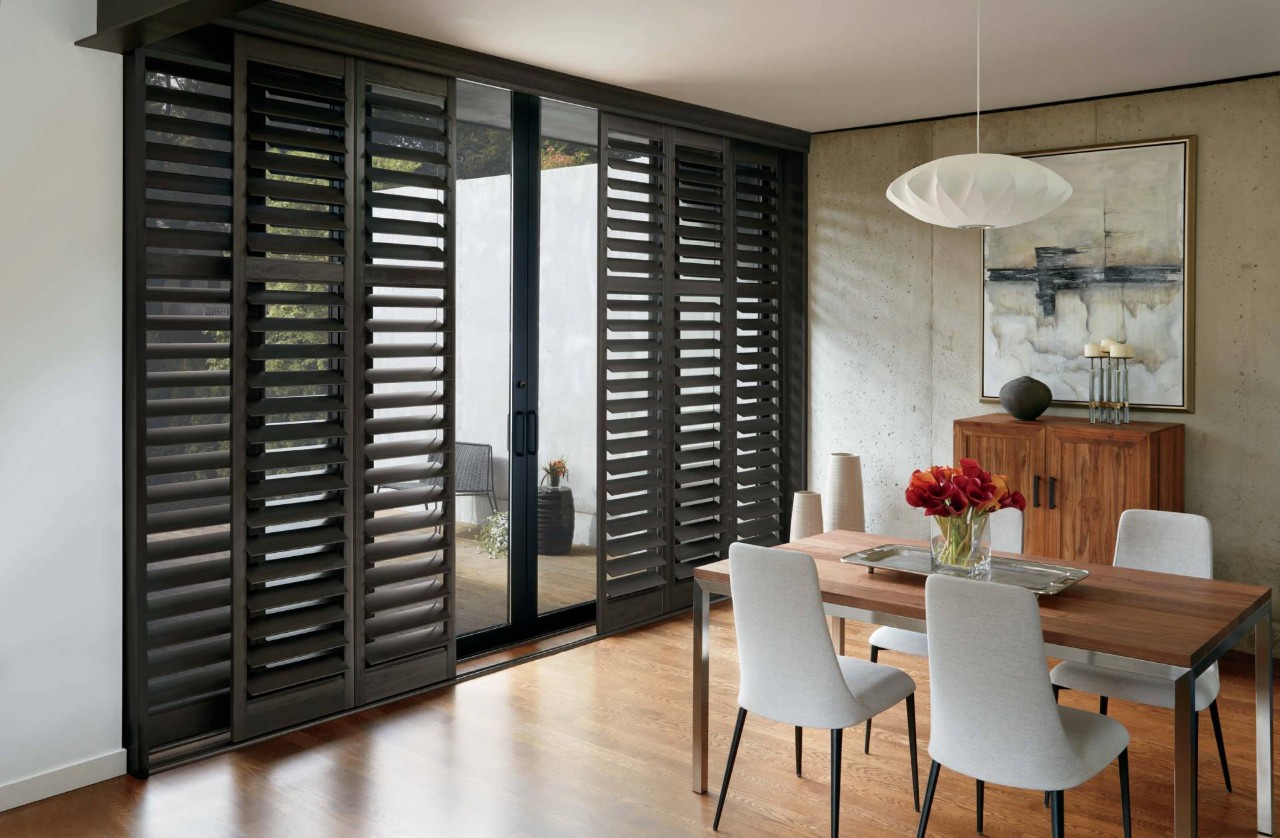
1006, 537
992, 711
1165, 542
472, 473
789, 671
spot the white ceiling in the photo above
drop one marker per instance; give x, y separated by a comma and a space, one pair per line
820, 65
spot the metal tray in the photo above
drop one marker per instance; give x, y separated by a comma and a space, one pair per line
1036, 577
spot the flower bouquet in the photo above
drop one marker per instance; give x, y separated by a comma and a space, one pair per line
959, 502
555, 471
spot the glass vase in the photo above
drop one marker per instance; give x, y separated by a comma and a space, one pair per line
960, 546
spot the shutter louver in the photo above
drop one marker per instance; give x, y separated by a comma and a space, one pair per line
758, 351
700, 391
406, 276
634, 209
297, 415
184, 436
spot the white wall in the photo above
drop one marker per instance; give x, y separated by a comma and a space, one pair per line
60, 423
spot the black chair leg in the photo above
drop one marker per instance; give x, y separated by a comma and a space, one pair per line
728, 766
866, 744
934, 768
1102, 704
1222, 748
911, 743
1124, 793
1056, 805
982, 794
837, 739
1056, 691
799, 747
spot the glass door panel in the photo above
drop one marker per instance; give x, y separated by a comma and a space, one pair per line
483, 331
567, 357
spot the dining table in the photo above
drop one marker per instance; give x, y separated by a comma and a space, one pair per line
1156, 624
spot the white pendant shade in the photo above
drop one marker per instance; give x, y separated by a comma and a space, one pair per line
979, 191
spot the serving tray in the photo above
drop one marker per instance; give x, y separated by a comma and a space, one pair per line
1039, 578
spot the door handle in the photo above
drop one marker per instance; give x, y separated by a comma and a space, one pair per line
1035, 491
517, 433
533, 432
1053, 486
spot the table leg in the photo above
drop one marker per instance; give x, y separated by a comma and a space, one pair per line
837, 634
701, 688
1185, 740
1263, 707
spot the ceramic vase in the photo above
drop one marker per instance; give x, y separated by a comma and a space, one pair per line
842, 501
806, 515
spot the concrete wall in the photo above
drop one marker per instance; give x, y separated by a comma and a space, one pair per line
896, 316
60, 449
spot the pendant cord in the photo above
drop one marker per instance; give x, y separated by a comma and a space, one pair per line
978, 113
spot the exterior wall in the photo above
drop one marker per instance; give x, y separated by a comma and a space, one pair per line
896, 304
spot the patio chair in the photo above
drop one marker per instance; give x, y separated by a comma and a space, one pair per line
472, 473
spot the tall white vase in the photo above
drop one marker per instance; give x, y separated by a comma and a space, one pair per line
806, 515
842, 502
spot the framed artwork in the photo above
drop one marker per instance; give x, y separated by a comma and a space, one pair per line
1117, 260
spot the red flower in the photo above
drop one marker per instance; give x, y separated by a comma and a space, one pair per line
944, 492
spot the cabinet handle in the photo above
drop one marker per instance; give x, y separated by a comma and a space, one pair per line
1035, 491
1053, 486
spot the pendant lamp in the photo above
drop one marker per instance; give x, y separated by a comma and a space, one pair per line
979, 191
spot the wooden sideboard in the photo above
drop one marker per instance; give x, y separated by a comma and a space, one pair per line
1077, 477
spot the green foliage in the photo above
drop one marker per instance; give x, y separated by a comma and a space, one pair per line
495, 536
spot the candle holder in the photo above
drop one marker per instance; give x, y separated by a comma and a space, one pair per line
1108, 382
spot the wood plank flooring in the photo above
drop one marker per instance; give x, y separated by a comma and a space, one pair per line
594, 741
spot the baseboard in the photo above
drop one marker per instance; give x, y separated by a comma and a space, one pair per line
68, 777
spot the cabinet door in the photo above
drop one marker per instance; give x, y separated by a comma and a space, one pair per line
1016, 451
1096, 475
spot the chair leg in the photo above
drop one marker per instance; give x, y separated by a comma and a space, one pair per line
1124, 793
911, 740
1056, 806
728, 766
1102, 704
1222, 748
866, 744
982, 793
837, 739
934, 768
799, 747
1056, 691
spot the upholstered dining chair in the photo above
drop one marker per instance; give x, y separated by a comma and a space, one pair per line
1006, 536
1167, 542
992, 712
790, 672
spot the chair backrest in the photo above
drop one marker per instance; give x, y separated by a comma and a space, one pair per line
1005, 526
993, 716
473, 467
789, 671
1167, 542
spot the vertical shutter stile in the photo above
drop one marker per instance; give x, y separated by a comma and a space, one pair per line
635, 213
407, 276
759, 347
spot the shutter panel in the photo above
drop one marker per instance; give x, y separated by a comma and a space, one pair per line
295, 155
701, 386
636, 356
758, 351
406, 277
182, 274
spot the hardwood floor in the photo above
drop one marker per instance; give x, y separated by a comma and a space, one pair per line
594, 741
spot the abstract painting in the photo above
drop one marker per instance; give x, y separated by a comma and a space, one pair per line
1115, 261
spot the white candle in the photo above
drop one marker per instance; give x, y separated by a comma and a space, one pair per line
1120, 350
1105, 342
1093, 350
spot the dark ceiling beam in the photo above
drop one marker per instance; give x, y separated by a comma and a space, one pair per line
125, 25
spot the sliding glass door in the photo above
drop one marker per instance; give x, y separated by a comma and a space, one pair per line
526, 336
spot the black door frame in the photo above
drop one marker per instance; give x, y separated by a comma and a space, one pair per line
525, 622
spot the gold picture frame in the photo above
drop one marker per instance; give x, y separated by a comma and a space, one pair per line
1187, 239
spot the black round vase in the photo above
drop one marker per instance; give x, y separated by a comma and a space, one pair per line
1025, 398
555, 520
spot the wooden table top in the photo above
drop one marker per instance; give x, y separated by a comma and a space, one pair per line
1158, 617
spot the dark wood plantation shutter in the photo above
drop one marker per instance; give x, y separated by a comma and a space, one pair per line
758, 460
701, 395
405, 273
180, 357
635, 349
290, 306
297, 156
